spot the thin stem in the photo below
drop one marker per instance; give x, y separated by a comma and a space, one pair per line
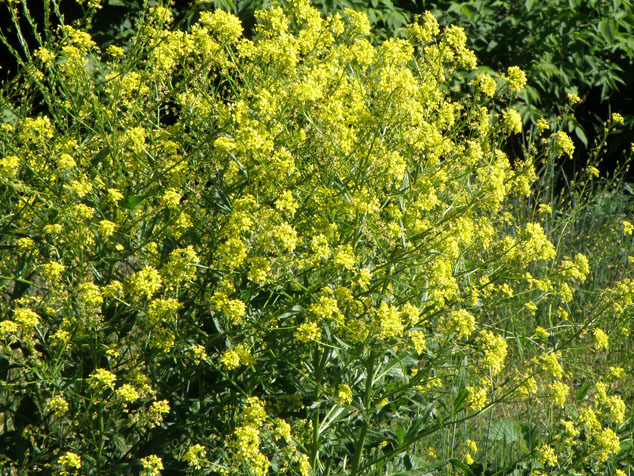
366, 404
319, 359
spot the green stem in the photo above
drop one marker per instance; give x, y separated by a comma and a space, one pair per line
315, 448
100, 442
319, 359
356, 458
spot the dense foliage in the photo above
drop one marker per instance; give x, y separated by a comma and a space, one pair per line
566, 47
299, 253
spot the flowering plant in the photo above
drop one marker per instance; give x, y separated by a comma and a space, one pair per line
299, 253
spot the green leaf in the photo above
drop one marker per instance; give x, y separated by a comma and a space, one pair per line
132, 202
99, 156
583, 390
506, 430
530, 4
581, 135
607, 28
531, 436
400, 434
461, 466
459, 401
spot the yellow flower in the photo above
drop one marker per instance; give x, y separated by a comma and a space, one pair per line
560, 392
282, 430
471, 445
390, 321
107, 228
170, 198
286, 236
70, 460
570, 430
494, 348
344, 256
53, 271
551, 366
25, 243
115, 51
344, 394
81, 188
601, 339
547, 455
477, 398
511, 121
259, 269
562, 144
542, 124
152, 465
359, 22
542, 333
235, 310
145, 283
128, 393
592, 171
195, 456
419, 341
254, 412
102, 378
114, 195
45, 55
424, 30
527, 385
157, 411
26, 318
223, 25
616, 409
9, 165
286, 203
589, 420
58, 404
462, 322
573, 99
516, 78
486, 84
308, 332
607, 443
304, 466
230, 359
617, 372
617, 118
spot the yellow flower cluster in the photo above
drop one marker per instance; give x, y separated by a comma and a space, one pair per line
562, 144
144, 283
152, 465
494, 348
247, 437
547, 455
601, 339
102, 378
477, 398
70, 460
344, 393
516, 78
390, 322
462, 322
195, 456
307, 195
